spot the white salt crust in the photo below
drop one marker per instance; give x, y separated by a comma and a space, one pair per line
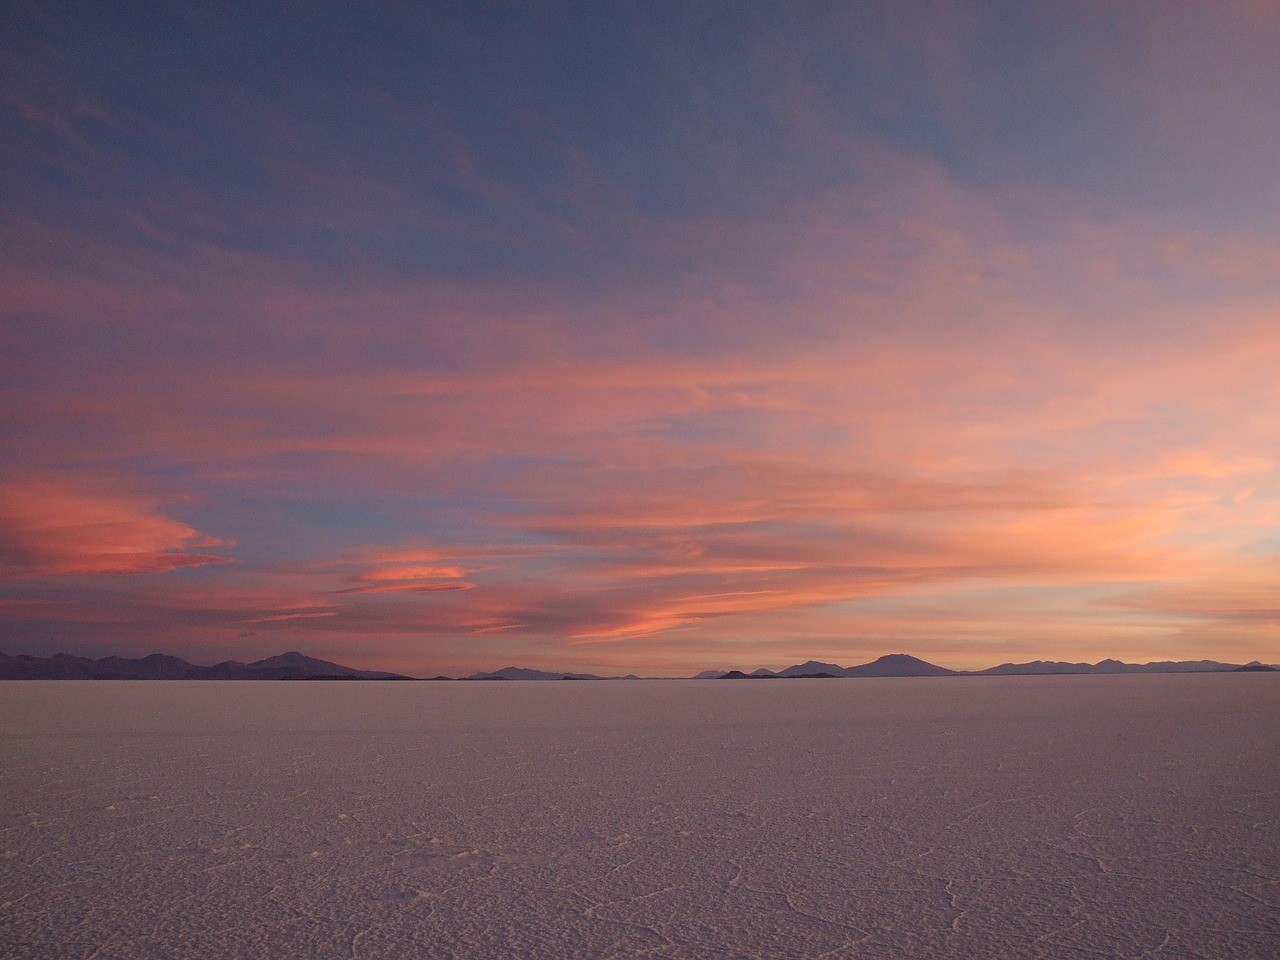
1022, 817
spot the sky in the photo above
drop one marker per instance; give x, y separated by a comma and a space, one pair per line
640, 337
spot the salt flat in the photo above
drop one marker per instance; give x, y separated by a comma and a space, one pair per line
986, 817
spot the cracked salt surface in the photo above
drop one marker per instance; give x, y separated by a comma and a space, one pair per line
990, 817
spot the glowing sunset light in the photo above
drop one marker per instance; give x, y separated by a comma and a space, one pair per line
649, 340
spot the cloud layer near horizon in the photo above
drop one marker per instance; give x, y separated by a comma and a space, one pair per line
817, 340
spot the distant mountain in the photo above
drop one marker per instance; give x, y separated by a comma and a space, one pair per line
1106, 667
904, 665
811, 668
524, 673
899, 665
1036, 667
818, 675
295, 666
762, 673
159, 666
757, 675
891, 665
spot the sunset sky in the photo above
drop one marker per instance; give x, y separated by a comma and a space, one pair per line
640, 337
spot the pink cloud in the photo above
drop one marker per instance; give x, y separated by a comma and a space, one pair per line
299, 615
49, 527
407, 571
410, 586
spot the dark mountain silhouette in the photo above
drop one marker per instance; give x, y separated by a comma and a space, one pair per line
1255, 667
821, 675
159, 666
899, 665
904, 665
297, 666
1106, 667
739, 675
60, 666
890, 665
1037, 667
810, 668
524, 673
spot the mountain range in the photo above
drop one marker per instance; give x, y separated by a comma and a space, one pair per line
296, 666
904, 665
524, 673
159, 666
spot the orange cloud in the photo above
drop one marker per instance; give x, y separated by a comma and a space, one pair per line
411, 586
409, 571
49, 527
300, 615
